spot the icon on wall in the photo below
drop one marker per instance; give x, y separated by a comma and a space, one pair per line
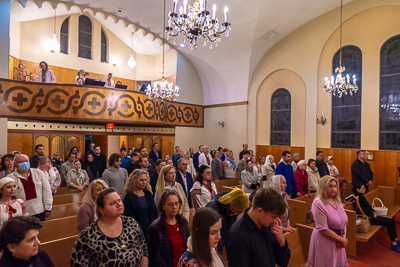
369, 155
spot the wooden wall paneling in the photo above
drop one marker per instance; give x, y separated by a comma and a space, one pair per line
168, 143
22, 142
131, 142
276, 151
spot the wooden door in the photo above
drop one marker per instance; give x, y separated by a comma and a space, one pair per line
22, 142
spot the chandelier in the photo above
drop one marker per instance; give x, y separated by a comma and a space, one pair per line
194, 22
342, 84
162, 89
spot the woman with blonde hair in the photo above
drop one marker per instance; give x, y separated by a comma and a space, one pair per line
87, 211
190, 168
268, 170
278, 182
138, 199
328, 239
166, 181
51, 173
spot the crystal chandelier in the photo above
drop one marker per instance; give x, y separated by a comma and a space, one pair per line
342, 84
162, 89
194, 22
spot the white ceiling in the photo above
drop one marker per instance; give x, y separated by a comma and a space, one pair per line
224, 71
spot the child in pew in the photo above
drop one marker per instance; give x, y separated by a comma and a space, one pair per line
362, 206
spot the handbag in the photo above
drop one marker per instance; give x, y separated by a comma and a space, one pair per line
362, 224
380, 211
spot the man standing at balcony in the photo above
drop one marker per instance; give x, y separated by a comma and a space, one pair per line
45, 75
100, 160
155, 154
115, 176
109, 81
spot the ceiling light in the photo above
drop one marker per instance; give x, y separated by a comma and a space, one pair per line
54, 45
182, 45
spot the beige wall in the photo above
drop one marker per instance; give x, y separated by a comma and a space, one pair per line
294, 84
15, 35
113, 144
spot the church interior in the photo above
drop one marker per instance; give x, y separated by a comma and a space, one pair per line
261, 82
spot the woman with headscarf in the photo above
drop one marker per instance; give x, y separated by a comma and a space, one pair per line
333, 171
249, 177
268, 170
76, 179
278, 182
230, 205
313, 176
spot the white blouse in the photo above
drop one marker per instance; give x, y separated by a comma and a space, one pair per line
19, 210
201, 195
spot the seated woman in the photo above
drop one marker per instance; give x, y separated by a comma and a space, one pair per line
328, 239
333, 171
76, 179
313, 176
203, 190
87, 211
91, 167
166, 181
301, 178
10, 206
279, 184
138, 199
20, 244
113, 240
201, 251
51, 173
249, 177
230, 205
268, 170
362, 206
7, 165
167, 236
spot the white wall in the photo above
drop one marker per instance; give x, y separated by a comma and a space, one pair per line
15, 35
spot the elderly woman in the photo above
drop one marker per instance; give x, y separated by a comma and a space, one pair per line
167, 236
250, 179
51, 173
7, 165
77, 179
138, 199
10, 206
166, 181
333, 171
279, 184
328, 239
20, 244
113, 240
230, 205
268, 170
313, 176
87, 211
301, 179
230, 166
203, 190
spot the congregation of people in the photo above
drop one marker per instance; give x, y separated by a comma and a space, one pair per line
137, 207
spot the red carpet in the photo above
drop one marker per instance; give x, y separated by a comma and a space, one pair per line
379, 254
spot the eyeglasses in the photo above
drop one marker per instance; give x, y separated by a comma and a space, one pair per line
173, 204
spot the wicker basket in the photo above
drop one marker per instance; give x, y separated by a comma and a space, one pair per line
380, 211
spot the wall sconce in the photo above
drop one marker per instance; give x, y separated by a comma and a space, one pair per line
221, 122
322, 120
114, 60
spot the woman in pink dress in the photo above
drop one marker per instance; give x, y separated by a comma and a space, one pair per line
328, 239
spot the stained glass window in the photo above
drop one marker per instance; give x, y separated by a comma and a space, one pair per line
85, 37
281, 107
64, 36
389, 111
346, 111
103, 46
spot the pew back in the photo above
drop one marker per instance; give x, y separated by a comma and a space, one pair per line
65, 210
61, 190
68, 198
58, 228
60, 250
226, 182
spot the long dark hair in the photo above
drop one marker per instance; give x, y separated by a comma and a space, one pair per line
3, 161
199, 177
202, 221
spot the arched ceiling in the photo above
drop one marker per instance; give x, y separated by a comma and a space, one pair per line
225, 71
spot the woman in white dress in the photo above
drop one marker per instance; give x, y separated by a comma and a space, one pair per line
203, 190
268, 170
51, 173
10, 206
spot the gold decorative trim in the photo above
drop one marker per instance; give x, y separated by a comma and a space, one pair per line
227, 104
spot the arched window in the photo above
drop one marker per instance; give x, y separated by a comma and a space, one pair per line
281, 107
64, 36
389, 129
85, 37
346, 111
103, 46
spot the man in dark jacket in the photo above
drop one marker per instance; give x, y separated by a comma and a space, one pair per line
321, 165
196, 158
143, 153
100, 160
245, 150
39, 153
155, 154
185, 179
361, 172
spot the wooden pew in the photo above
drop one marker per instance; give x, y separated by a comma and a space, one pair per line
230, 188
61, 191
58, 228
60, 250
65, 210
226, 182
298, 209
299, 246
68, 198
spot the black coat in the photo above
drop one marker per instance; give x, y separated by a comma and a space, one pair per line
322, 168
153, 156
101, 163
361, 173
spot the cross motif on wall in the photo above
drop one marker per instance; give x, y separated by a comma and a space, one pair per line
149, 109
58, 101
126, 106
20, 99
94, 103
188, 114
171, 113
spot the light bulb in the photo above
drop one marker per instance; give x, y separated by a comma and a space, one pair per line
55, 45
131, 62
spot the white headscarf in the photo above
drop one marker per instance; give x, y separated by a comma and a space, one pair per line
5, 180
267, 161
276, 183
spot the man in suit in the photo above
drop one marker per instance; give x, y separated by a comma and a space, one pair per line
196, 158
155, 154
184, 178
321, 165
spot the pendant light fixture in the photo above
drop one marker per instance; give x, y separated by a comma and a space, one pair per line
54, 45
131, 61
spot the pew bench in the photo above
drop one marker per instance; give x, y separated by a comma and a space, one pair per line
65, 210
299, 244
226, 182
58, 228
61, 191
59, 250
230, 188
68, 198
298, 209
